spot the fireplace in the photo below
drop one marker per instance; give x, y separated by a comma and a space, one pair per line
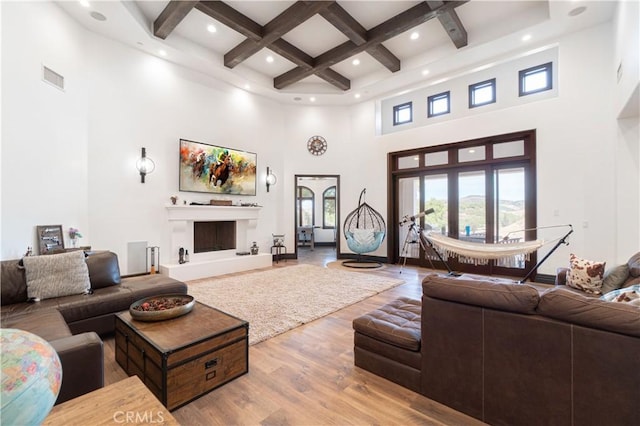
214, 236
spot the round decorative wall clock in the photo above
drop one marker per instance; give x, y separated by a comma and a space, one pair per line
317, 145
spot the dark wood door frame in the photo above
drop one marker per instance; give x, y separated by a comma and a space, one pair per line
295, 210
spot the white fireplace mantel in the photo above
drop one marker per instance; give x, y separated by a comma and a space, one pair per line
204, 213
181, 220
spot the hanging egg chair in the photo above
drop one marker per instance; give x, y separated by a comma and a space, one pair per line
364, 229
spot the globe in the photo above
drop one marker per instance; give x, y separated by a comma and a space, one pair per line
31, 376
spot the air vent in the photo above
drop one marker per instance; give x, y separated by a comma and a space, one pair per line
52, 77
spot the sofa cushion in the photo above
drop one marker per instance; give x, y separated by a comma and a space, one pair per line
396, 323
489, 292
585, 275
569, 306
104, 270
56, 275
14, 283
46, 323
614, 278
634, 265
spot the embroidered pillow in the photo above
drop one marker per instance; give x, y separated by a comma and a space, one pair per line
585, 275
56, 275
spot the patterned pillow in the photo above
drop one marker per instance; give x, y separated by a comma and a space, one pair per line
585, 275
630, 295
56, 275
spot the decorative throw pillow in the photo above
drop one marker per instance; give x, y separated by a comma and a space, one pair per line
614, 278
56, 275
630, 295
585, 275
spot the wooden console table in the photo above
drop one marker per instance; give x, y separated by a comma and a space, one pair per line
125, 402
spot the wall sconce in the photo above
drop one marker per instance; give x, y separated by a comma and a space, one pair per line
271, 179
145, 165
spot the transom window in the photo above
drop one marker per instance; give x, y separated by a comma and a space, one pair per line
482, 93
403, 113
535, 79
438, 104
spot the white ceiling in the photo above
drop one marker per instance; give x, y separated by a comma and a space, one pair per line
495, 30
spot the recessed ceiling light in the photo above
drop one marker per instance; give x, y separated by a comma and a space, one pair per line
425, 72
356, 61
414, 35
577, 11
84, 3
269, 59
526, 37
162, 52
98, 16
357, 96
247, 86
471, 151
312, 99
211, 28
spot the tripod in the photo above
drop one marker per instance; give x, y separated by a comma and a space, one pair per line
414, 235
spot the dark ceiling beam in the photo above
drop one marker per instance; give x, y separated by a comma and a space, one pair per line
253, 31
171, 16
231, 18
301, 59
392, 27
452, 24
345, 23
385, 57
295, 15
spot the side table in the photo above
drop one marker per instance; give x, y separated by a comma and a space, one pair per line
276, 252
127, 401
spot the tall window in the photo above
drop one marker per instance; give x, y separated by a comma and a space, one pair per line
535, 79
438, 104
329, 208
403, 113
481, 191
306, 201
482, 93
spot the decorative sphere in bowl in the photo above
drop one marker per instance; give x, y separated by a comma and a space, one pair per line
158, 308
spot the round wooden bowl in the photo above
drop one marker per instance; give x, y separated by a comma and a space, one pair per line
186, 305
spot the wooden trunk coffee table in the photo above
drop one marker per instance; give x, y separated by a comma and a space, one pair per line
183, 358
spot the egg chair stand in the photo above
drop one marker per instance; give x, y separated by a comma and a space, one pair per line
365, 229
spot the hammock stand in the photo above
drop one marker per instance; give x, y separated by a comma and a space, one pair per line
482, 253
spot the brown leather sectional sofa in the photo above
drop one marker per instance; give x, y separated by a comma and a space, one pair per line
508, 353
72, 324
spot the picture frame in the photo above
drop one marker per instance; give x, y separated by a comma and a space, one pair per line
50, 238
216, 169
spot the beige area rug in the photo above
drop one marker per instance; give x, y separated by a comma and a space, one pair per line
277, 300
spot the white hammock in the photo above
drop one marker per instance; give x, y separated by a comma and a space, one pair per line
481, 253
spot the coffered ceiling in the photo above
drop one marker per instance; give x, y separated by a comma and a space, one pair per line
335, 52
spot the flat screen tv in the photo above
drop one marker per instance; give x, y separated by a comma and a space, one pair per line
216, 169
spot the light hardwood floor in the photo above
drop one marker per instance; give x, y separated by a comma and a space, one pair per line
306, 376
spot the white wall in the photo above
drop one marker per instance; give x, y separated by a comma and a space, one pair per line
575, 147
119, 100
69, 157
44, 130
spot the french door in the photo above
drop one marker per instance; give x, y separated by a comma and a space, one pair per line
488, 200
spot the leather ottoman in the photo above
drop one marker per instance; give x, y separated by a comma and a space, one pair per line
387, 342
